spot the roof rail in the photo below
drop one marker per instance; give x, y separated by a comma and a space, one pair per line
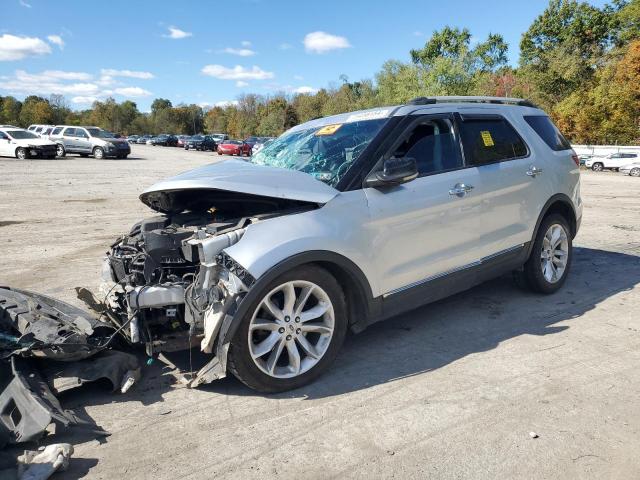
462, 99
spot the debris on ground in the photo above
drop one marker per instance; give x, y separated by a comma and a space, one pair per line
48, 347
533, 434
42, 464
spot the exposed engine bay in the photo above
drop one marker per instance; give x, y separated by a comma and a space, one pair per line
168, 283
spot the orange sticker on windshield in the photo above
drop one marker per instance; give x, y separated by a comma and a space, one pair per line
487, 139
329, 129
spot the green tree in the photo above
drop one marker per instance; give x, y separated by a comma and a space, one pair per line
35, 110
10, 112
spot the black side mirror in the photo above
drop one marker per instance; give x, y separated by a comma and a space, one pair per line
394, 172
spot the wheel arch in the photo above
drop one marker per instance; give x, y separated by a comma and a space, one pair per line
356, 287
561, 204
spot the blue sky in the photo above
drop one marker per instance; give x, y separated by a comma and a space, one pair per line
212, 51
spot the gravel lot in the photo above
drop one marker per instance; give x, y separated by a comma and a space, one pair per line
451, 390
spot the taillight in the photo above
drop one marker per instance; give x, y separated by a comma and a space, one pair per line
576, 159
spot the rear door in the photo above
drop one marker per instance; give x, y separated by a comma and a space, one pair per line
425, 228
508, 180
6, 149
69, 140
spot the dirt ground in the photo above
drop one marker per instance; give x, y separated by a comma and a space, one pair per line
451, 390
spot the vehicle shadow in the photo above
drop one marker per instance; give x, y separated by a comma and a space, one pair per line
414, 343
478, 320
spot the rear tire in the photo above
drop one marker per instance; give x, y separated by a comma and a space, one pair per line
316, 339
597, 167
635, 172
549, 262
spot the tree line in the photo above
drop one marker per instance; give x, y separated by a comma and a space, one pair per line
580, 63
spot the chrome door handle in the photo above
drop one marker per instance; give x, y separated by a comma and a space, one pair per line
533, 171
460, 189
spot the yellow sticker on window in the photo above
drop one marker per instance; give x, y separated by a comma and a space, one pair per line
487, 139
328, 129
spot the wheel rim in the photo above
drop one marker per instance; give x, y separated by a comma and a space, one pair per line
22, 154
291, 329
59, 151
597, 167
98, 153
555, 253
635, 172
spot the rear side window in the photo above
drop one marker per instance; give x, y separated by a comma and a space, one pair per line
548, 132
56, 131
490, 140
70, 132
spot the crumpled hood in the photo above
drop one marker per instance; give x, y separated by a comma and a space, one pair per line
244, 177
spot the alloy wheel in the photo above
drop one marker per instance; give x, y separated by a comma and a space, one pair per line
555, 253
635, 172
291, 329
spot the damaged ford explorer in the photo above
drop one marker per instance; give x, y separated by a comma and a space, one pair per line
341, 222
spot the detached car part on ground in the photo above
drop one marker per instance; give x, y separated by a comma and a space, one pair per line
47, 347
339, 223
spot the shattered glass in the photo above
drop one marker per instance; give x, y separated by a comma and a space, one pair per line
324, 152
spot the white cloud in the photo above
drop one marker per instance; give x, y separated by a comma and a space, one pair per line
241, 83
61, 75
245, 43
305, 89
126, 73
322, 42
83, 100
78, 85
236, 73
177, 34
24, 3
243, 52
56, 40
17, 48
132, 92
285, 46
298, 77
225, 103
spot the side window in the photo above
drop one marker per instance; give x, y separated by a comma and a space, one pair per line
3, 136
80, 132
56, 131
70, 132
490, 140
432, 144
548, 132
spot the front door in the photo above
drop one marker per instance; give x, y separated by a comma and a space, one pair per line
426, 228
5, 145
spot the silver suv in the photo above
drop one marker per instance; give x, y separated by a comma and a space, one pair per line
341, 222
88, 141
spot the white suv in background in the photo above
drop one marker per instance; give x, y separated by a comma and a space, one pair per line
341, 222
613, 161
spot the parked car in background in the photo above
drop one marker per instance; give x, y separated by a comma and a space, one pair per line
613, 161
133, 138
584, 158
251, 141
220, 137
87, 141
182, 140
165, 140
23, 144
234, 147
632, 169
263, 142
143, 139
201, 142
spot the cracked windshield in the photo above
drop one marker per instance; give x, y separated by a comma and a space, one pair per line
324, 152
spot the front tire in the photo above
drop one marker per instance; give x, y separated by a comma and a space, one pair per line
60, 152
21, 154
548, 265
635, 172
98, 153
291, 333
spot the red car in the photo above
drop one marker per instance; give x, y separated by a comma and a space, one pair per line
234, 147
